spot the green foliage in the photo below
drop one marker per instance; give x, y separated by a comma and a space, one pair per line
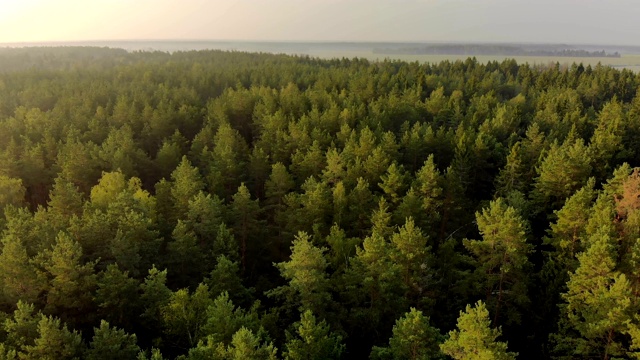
186, 183
22, 328
19, 277
224, 319
72, 282
110, 343
565, 169
12, 192
54, 341
313, 341
360, 180
117, 295
474, 337
225, 277
246, 225
413, 338
598, 304
185, 315
244, 346
502, 259
306, 273
155, 296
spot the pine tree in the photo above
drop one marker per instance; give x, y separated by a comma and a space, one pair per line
155, 296
223, 319
512, 175
341, 247
246, 224
381, 220
307, 276
185, 315
21, 329
373, 286
570, 227
411, 253
116, 296
474, 338
427, 184
314, 340
565, 169
19, 277
606, 142
205, 215
502, 259
65, 200
72, 282
186, 183
244, 345
225, 278
184, 255
413, 338
227, 161
393, 183
111, 344
598, 305
54, 342
168, 158
12, 192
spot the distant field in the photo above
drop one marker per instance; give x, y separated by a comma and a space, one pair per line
630, 58
631, 62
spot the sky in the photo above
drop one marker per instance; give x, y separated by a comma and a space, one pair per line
539, 21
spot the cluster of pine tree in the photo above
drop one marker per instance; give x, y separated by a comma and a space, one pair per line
226, 205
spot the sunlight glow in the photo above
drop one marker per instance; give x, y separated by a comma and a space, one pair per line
586, 21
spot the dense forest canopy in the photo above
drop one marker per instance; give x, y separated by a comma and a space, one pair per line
227, 205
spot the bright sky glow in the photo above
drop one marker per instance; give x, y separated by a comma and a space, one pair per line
569, 21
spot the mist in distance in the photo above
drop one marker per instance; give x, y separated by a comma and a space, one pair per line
415, 21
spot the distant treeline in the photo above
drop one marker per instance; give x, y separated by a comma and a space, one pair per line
478, 49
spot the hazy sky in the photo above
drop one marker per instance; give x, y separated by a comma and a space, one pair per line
572, 21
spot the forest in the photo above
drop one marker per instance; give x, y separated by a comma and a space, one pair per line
230, 205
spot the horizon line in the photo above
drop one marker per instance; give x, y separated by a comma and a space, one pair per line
313, 42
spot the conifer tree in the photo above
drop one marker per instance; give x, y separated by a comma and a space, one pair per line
502, 259
21, 329
474, 338
413, 338
72, 282
306, 273
186, 183
155, 296
55, 341
65, 200
313, 341
19, 277
116, 296
225, 278
223, 319
246, 223
411, 253
185, 315
112, 343
598, 305
427, 184
244, 345
12, 192
393, 183
565, 169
